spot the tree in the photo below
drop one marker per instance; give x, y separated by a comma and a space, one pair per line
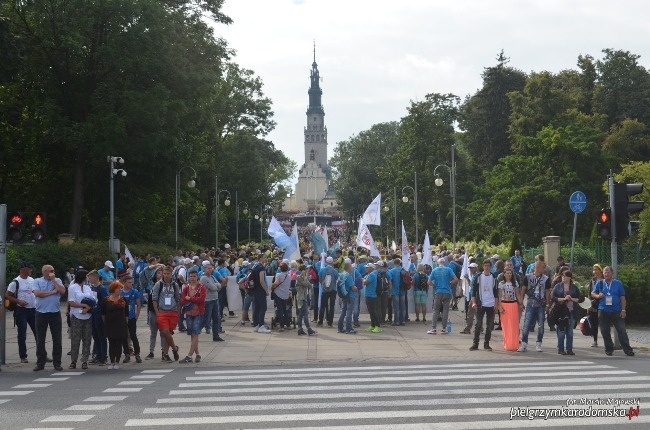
639, 171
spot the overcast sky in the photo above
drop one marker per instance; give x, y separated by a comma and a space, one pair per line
377, 55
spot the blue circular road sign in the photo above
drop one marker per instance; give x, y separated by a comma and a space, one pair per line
578, 202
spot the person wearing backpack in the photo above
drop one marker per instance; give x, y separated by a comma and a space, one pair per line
383, 292
347, 291
397, 292
20, 293
420, 293
442, 278
371, 294
166, 299
328, 276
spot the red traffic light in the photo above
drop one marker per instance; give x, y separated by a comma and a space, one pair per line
37, 219
15, 218
604, 216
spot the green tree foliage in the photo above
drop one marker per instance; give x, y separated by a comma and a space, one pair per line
639, 171
485, 116
146, 80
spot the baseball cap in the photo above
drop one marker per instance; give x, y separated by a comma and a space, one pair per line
347, 261
187, 261
196, 257
329, 260
109, 264
205, 263
473, 265
380, 263
245, 263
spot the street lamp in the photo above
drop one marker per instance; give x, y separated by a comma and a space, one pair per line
226, 202
452, 188
237, 219
405, 199
190, 184
113, 171
386, 209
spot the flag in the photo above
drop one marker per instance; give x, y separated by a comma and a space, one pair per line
332, 249
365, 240
128, 255
293, 250
372, 215
465, 276
318, 243
278, 234
393, 246
326, 237
406, 254
426, 252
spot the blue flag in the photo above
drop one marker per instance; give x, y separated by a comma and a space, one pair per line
318, 243
278, 234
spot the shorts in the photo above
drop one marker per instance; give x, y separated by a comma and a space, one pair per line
194, 324
420, 297
167, 320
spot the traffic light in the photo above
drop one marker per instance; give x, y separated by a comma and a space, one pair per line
604, 226
38, 227
624, 207
16, 227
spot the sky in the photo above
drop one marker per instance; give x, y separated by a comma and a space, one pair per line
375, 56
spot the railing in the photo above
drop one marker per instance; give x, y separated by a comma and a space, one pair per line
600, 253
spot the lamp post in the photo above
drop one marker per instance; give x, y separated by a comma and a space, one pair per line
405, 199
226, 202
386, 209
191, 183
237, 204
113, 171
452, 188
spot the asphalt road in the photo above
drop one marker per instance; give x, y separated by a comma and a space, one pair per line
400, 395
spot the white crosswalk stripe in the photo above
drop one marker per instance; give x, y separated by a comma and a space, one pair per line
460, 396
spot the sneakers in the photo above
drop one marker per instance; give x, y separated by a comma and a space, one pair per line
217, 339
522, 347
538, 346
474, 347
242, 323
127, 358
424, 319
487, 347
207, 331
255, 327
443, 331
187, 359
301, 332
149, 356
166, 358
116, 367
417, 319
629, 353
175, 352
110, 367
311, 332
39, 367
340, 331
377, 330
353, 331
370, 328
197, 359
138, 359
356, 324
432, 331
319, 324
263, 329
561, 352
570, 352
594, 344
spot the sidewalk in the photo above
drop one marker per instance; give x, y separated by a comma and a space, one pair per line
408, 343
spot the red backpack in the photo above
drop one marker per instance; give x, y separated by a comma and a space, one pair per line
407, 281
313, 275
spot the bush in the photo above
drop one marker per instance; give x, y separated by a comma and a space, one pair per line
636, 280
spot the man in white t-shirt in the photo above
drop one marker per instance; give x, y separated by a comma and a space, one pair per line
485, 299
25, 301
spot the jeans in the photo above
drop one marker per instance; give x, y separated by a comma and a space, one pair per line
303, 315
399, 308
259, 308
488, 312
445, 299
347, 306
372, 303
355, 312
153, 327
223, 301
534, 314
605, 321
24, 317
248, 301
42, 321
327, 302
134, 338
566, 332
281, 316
100, 344
212, 318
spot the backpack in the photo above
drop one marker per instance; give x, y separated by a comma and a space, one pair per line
382, 283
328, 284
585, 326
313, 275
9, 305
406, 280
340, 284
423, 284
247, 284
175, 273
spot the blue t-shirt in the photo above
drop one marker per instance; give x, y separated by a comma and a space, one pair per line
132, 297
441, 277
516, 262
361, 269
347, 280
370, 290
107, 276
50, 303
119, 266
614, 290
394, 275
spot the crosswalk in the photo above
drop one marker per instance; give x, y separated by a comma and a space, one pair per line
478, 395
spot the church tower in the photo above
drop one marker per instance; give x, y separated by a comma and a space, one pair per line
312, 192
315, 131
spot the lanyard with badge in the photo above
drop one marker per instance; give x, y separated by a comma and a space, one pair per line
608, 293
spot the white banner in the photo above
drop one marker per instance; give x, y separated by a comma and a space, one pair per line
372, 215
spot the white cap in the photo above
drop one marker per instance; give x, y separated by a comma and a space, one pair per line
329, 260
109, 264
473, 265
227, 246
187, 261
205, 263
196, 257
347, 261
245, 263
380, 263
495, 257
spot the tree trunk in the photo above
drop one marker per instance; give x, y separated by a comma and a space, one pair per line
207, 237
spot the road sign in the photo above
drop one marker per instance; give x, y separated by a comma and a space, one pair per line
578, 202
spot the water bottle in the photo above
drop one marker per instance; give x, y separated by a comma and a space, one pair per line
448, 326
